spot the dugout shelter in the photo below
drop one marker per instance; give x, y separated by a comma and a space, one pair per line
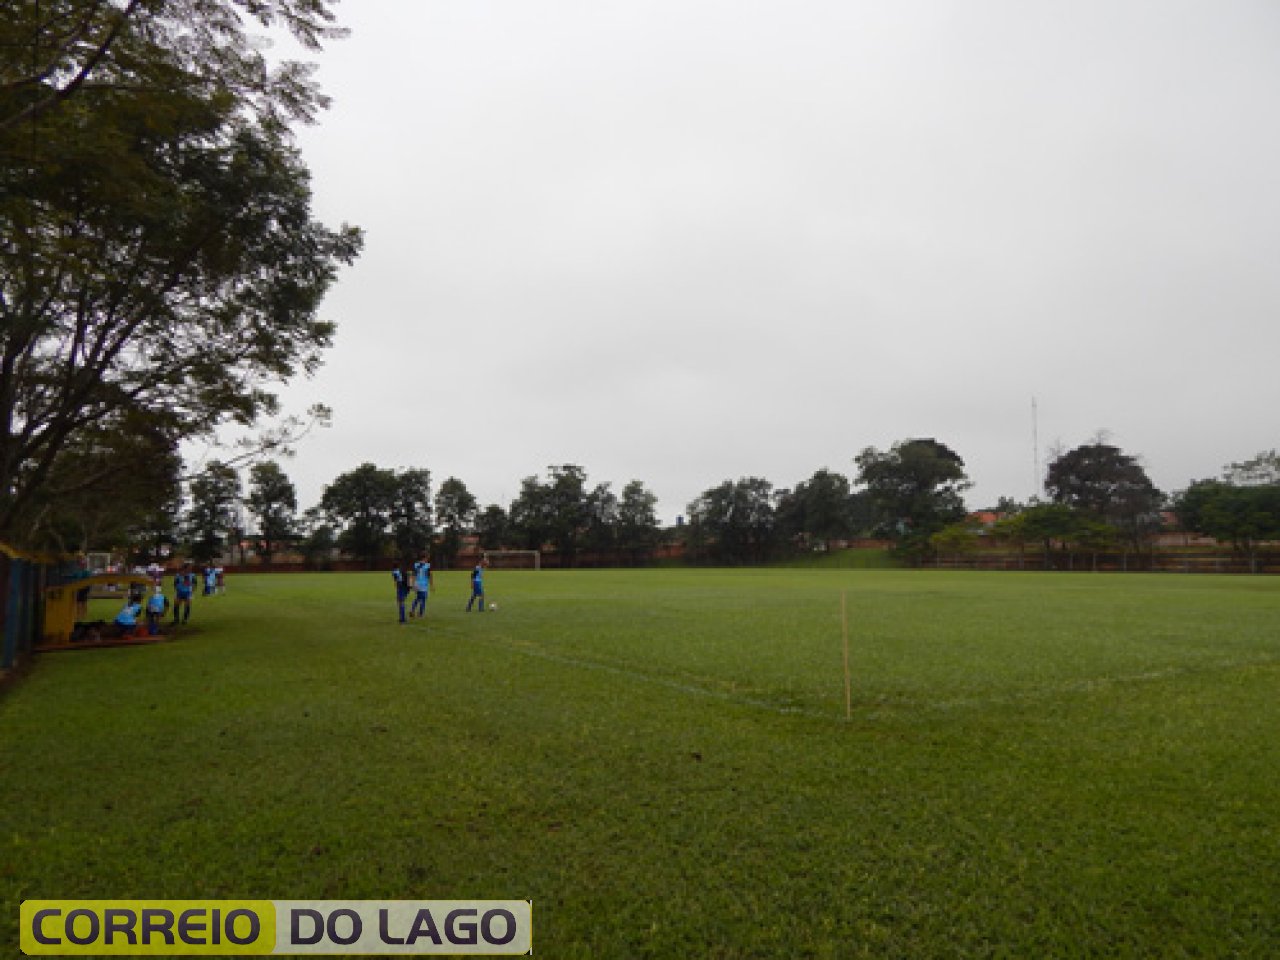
66, 610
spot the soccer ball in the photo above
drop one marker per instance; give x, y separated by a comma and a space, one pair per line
493, 606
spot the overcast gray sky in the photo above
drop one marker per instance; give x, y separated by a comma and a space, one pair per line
685, 241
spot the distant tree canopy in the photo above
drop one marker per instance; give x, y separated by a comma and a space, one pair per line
214, 496
638, 529
735, 522
492, 527
1261, 470
916, 489
455, 515
1107, 486
160, 268
411, 521
564, 513
359, 504
820, 508
377, 511
274, 503
1241, 515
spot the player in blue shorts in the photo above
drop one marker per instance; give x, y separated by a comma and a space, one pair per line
402, 587
184, 586
423, 581
477, 585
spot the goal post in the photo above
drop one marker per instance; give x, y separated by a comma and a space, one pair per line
514, 559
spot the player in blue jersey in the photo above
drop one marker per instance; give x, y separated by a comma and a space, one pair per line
156, 605
477, 585
402, 587
423, 581
184, 586
126, 621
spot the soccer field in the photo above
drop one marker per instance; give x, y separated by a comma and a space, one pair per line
1036, 764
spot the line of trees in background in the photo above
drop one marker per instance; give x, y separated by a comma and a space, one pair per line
161, 270
1098, 500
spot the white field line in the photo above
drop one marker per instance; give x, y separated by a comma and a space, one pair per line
667, 682
1036, 692
1031, 693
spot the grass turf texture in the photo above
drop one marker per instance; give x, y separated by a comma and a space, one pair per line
1037, 764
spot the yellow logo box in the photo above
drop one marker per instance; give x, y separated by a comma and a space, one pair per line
137, 928
69, 928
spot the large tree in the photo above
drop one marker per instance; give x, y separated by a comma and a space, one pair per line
492, 527
819, 508
916, 488
455, 514
568, 509
528, 520
159, 263
1107, 485
215, 496
411, 526
638, 530
737, 520
555, 512
359, 503
273, 501
602, 519
1243, 515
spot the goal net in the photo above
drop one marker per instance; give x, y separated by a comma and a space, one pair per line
514, 559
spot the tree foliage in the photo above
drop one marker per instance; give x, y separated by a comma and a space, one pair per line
638, 529
1261, 470
916, 488
106, 484
820, 508
159, 263
736, 521
455, 515
493, 527
215, 495
1243, 516
273, 501
411, 522
1109, 486
555, 512
601, 532
359, 504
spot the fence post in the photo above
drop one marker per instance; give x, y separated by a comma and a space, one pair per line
13, 627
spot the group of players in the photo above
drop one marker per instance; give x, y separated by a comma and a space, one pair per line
420, 580
184, 588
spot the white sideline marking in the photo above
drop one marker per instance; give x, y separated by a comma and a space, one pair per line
878, 704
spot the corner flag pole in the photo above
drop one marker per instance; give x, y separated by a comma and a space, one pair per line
844, 629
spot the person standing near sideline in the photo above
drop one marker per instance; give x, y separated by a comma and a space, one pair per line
184, 586
477, 585
423, 581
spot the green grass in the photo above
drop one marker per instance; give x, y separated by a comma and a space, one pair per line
1038, 765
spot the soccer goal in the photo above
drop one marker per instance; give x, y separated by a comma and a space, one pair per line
514, 559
